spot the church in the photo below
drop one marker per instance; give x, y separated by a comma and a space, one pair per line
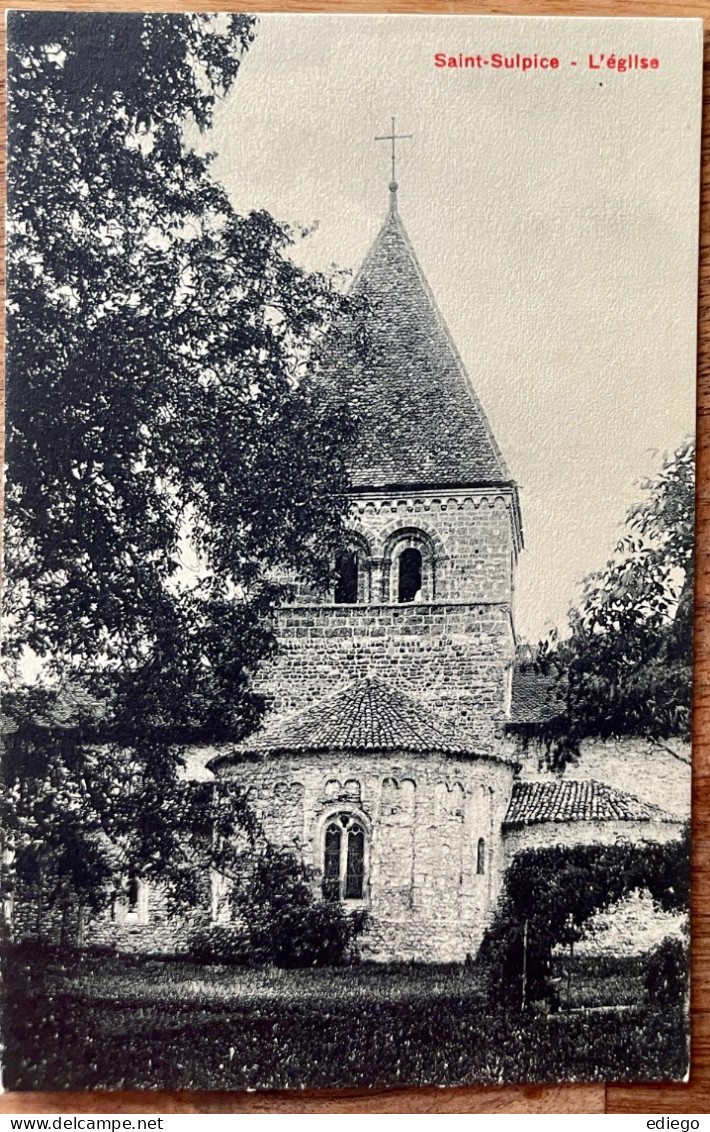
388, 758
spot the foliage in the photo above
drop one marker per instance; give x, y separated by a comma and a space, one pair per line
668, 973
551, 893
159, 352
221, 943
170, 450
287, 924
80, 820
625, 668
278, 919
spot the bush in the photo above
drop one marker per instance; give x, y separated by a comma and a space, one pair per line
668, 972
220, 943
280, 920
287, 924
550, 895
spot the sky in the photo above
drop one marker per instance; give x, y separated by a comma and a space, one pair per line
553, 212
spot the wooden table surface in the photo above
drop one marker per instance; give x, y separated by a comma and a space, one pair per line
597, 1098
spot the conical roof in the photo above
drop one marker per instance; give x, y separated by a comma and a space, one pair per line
420, 422
367, 715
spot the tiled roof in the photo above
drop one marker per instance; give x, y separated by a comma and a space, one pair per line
573, 800
367, 716
420, 422
535, 698
62, 709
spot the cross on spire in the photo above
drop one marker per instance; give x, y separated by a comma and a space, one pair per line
393, 137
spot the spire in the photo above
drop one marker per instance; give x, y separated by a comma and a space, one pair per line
420, 421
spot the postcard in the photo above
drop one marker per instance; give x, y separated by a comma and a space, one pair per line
348, 549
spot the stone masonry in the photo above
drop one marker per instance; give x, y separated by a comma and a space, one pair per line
385, 758
424, 818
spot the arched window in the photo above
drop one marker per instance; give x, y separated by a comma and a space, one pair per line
409, 567
410, 575
481, 857
344, 858
346, 585
352, 571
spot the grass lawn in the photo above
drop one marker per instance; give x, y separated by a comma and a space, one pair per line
117, 1023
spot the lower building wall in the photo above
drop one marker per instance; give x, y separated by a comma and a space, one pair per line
429, 888
153, 929
543, 835
632, 927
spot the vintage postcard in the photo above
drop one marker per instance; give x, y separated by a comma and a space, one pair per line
348, 549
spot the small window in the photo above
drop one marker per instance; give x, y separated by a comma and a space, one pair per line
410, 575
355, 865
481, 857
130, 902
346, 586
331, 871
133, 894
344, 859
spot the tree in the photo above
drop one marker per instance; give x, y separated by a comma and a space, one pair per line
81, 819
626, 667
286, 923
161, 378
163, 405
551, 893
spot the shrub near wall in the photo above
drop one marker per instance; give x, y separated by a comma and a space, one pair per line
279, 920
550, 894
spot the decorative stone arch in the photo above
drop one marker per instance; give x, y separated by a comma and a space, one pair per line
398, 800
410, 554
342, 843
450, 800
348, 792
353, 567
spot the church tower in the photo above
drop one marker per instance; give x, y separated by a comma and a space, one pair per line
382, 759
425, 592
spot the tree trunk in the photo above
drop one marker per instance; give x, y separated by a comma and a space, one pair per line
524, 995
569, 973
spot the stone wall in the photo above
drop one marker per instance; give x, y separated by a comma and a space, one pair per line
658, 773
469, 541
453, 647
544, 834
471, 536
154, 929
424, 818
456, 659
151, 928
632, 927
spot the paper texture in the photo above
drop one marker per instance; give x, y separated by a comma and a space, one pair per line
349, 549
